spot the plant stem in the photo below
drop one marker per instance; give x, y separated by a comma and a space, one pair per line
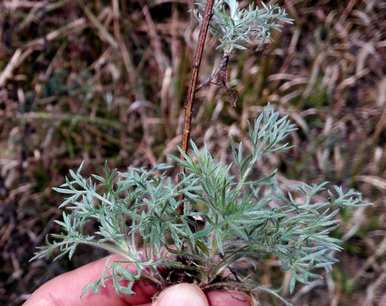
195, 71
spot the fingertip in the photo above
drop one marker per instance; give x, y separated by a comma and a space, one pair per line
182, 294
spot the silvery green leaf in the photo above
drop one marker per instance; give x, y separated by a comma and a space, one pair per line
230, 212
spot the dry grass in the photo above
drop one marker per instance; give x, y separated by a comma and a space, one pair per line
106, 80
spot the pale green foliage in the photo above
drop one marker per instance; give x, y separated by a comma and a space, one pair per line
228, 216
240, 28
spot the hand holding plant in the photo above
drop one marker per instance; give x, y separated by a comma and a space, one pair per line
66, 290
232, 216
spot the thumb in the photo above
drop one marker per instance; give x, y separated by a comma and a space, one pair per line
182, 294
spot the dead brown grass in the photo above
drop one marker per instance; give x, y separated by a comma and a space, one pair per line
106, 80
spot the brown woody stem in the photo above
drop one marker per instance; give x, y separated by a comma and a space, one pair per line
195, 71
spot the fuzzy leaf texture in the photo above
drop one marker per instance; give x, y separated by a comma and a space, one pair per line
232, 219
240, 28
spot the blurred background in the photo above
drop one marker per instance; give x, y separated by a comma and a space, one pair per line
104, 80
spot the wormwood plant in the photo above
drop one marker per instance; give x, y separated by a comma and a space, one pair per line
231, 217
231, 221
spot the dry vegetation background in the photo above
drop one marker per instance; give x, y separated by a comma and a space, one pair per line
106, 80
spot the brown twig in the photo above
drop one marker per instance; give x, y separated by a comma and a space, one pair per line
194, 80
219, 77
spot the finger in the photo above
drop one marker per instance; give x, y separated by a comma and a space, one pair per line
66, 289
225, 298
182, 294
144, 291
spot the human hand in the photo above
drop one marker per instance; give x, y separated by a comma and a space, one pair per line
66, 290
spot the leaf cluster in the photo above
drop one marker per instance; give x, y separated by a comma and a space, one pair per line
232, 218
239, 28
